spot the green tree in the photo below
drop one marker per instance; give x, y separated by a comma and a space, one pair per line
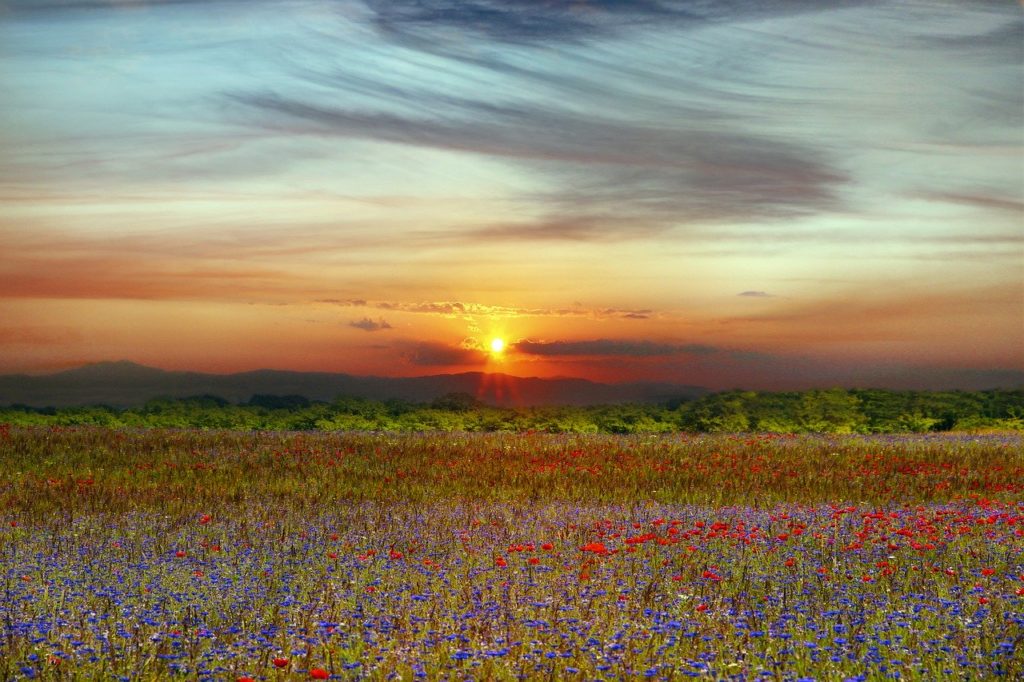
718, 413
831, 411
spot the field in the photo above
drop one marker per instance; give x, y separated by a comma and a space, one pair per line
226, 555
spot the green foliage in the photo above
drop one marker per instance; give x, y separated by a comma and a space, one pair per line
719, 413
834, 410
854, 411
979, 424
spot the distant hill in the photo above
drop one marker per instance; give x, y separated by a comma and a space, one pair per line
127, 384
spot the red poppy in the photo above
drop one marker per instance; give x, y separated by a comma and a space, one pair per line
243, 678
319, 674
547, 546
280, 662
595, 547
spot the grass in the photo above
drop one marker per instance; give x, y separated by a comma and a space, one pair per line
145, 555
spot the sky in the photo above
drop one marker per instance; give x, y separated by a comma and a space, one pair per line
726, 193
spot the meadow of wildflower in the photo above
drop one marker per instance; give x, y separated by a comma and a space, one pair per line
230, 555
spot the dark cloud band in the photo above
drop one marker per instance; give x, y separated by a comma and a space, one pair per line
611, 347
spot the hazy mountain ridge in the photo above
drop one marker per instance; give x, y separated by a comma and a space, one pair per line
127, 384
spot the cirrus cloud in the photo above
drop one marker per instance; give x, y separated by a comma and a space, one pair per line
432, 354
612, 347
369, 325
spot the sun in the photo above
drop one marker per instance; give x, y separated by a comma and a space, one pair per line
497, 346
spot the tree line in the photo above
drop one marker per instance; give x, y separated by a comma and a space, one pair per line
814, 411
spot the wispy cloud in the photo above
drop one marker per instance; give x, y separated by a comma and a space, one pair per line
60, 5
346, 302
474, 309
1005, 41
431, 354
854, 311
115, 277
526, 21
755, 294
616, 174
611, 347
38, 335
1014, 204
368, 325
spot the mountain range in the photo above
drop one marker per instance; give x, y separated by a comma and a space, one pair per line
127, 384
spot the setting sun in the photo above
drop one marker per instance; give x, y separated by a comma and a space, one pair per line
497, 345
